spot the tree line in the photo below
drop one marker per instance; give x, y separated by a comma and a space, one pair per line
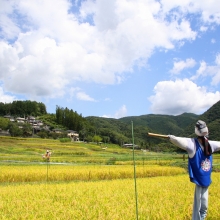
90, 128
69, 118
23, 108
117, 131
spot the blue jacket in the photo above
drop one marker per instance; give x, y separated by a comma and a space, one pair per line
200, 167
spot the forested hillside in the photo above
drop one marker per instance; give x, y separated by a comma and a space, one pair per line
212, 119
120, 130
164, 124
117, 131
180, 125
22, 108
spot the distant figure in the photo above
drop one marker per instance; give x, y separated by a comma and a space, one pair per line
47, 155
199, 151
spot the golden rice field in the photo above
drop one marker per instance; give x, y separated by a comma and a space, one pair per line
165, 197
47, 172
87, 182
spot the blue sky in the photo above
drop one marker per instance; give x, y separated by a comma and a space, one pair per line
112, 58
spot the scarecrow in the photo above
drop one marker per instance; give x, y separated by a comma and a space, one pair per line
47, 155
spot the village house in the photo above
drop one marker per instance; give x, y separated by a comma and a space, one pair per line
38, 125
73, 135
11, 118
58, 131
131, 146
20, 120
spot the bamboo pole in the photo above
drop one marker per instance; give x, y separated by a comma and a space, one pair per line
158, 135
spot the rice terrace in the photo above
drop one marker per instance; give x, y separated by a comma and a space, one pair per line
90, 181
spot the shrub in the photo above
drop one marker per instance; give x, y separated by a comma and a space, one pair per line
63, 140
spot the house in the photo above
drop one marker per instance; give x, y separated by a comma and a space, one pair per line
73, 135
11, 118
58, 131
20, 120
131, 146
39, 122
4, 133
30, 119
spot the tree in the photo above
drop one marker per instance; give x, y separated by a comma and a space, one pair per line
14, 130
42, 108
43, 134
69, 119
106, 139
27, 130
97, 139
4, 123
2, 109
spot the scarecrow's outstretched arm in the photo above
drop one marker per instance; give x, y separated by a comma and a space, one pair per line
158, 135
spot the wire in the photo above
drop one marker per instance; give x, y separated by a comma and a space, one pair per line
135, 183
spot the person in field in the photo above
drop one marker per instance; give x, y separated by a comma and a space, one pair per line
199, 151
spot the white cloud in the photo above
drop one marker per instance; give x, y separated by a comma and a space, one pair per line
209, 71
45, 48
203, 28
80, 95
9, 29
209, 10
181, 65
213, 41
201, 71
54, 48
83, 96
122, 112
6, 98
177, 97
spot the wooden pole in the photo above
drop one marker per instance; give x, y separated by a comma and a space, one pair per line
158, 135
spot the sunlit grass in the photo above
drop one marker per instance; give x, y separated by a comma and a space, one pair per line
83, 187
31, 150
49, 172
158, 198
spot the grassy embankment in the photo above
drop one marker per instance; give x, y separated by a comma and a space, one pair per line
31, 150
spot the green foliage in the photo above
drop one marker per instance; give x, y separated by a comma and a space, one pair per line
111, 161
89, 138
23, 108
97, 139
163, 124
4, 123
212, 114
69, 119
212, 119
118, 131
64, 140
43, 134
214, 130
50, 120
113, 130
109, 130
14, 130
26, 130
32, 149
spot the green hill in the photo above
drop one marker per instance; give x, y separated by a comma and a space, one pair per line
164, 124
212, 119
180, 125
119, 131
